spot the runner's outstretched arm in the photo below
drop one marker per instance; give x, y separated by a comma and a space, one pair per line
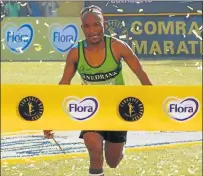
70, 67
133, 62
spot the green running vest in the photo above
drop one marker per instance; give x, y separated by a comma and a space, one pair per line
108, 73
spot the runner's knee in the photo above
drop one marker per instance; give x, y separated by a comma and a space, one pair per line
114, 163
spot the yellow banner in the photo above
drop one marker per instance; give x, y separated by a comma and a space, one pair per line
60, 107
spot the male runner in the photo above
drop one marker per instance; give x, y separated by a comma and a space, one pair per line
100, 54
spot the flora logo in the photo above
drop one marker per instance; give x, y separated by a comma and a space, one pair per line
181, 110
18, 39
63, 38
80, 109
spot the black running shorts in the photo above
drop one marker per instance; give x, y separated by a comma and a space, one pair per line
111, 136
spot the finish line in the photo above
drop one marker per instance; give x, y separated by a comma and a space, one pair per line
26, 148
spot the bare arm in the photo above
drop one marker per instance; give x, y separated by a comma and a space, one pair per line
70, 67
132, 60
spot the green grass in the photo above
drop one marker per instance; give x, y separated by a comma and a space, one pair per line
183, 161
160, 72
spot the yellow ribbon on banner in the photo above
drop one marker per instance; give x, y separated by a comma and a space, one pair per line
131, 108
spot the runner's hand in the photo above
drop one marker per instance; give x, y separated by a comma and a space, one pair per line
48, 134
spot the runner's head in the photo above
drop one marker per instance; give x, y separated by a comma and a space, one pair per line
92, 24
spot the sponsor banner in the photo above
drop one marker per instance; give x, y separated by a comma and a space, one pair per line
37, 107
149, 37
50, 39
146, 6
31, 39
159, 37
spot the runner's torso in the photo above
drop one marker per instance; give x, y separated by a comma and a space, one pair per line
108, 73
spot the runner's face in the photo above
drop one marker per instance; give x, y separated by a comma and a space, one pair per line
93, 27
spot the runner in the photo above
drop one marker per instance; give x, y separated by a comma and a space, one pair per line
98, 60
